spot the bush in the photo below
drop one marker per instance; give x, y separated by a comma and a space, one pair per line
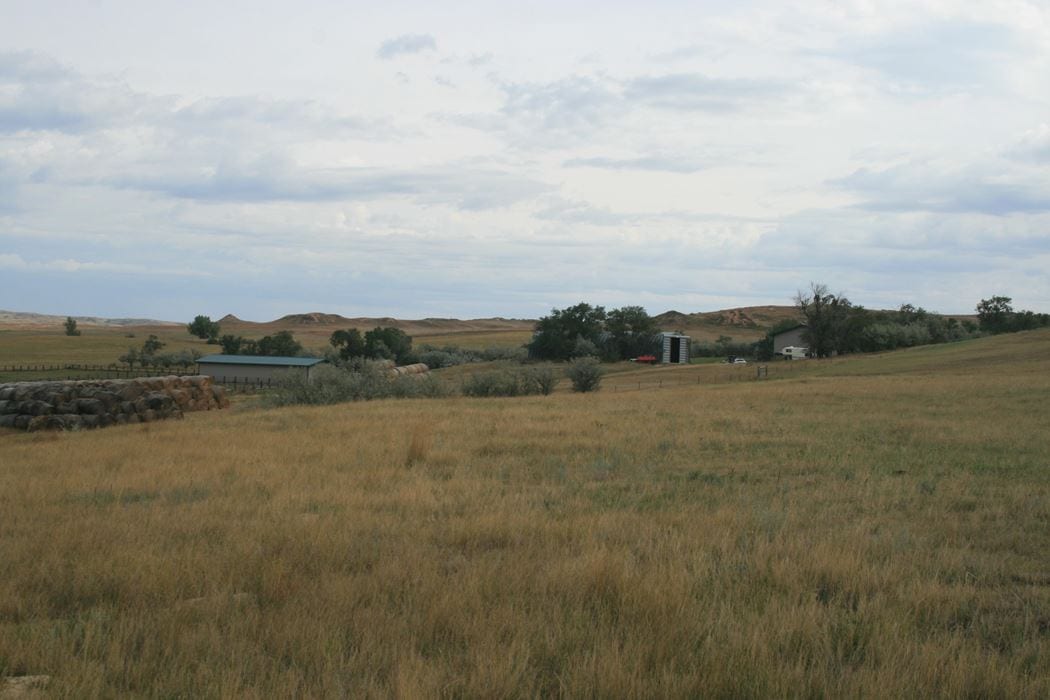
585, 373
511, 382
447, 357
501, 352
499, 383
328, 385
541, 380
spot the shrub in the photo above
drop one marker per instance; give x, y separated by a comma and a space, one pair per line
328, 385
585, 373
511, 382
498, 383
541, 380
512, 354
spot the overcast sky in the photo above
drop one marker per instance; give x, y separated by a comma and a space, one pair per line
418, 159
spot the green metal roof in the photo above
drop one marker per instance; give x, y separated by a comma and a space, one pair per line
260, 360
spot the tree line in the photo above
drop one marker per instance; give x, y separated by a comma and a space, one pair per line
835, 326
590, 331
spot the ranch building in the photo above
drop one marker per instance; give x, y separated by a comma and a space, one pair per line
250, 368
789, 337
675, 349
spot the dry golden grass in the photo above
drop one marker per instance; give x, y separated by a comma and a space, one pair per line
96, 345
822, 535
476, 340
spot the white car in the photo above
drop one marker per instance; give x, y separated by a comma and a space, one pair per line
739, 361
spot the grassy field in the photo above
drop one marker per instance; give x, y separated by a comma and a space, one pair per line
33, 346
873, 526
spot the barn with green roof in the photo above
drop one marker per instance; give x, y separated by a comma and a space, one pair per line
252, 368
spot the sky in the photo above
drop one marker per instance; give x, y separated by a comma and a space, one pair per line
476, 159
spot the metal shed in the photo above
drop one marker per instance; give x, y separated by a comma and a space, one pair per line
675, 349
253, 368
788, 337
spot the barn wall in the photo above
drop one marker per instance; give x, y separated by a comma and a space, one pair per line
788, 338
228, 372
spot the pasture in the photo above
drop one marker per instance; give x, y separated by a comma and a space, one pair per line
869, 526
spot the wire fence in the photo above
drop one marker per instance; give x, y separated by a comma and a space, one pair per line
724, 374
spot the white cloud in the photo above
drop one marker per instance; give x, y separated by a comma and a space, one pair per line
12, 262
406, 44
890, 151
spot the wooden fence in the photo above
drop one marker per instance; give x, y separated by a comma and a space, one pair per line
87, 371
241, 385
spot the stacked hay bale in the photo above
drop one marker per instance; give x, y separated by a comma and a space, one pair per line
68, 405
404, 370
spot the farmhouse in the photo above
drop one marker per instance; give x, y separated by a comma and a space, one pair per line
253, 368
675, 349
790, 337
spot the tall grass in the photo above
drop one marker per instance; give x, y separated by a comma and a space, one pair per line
877, 535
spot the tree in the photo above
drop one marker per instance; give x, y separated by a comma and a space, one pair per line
995, 315
832, 323
280, 344
556, 335
349, 343
388, 344
204, 328
231, 344
632, 332
151, 345
130, 358
71, 326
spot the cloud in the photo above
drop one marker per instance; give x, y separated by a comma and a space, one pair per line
276, 178
213, 113
935, 55
1033, 146
9, 261
406, 44
578, 212
916, 186
667, 164
697, 92
572, 109
479, 60
575, 104
39, 94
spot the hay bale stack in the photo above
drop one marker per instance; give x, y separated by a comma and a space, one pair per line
91, 403
404, 370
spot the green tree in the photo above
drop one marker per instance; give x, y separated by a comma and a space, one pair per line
632, 332
280, 344
231, 344
833, 324
556, 335
151, 345
348, 343
388, 344
204, 328
995, 315
71, 326
130, 358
